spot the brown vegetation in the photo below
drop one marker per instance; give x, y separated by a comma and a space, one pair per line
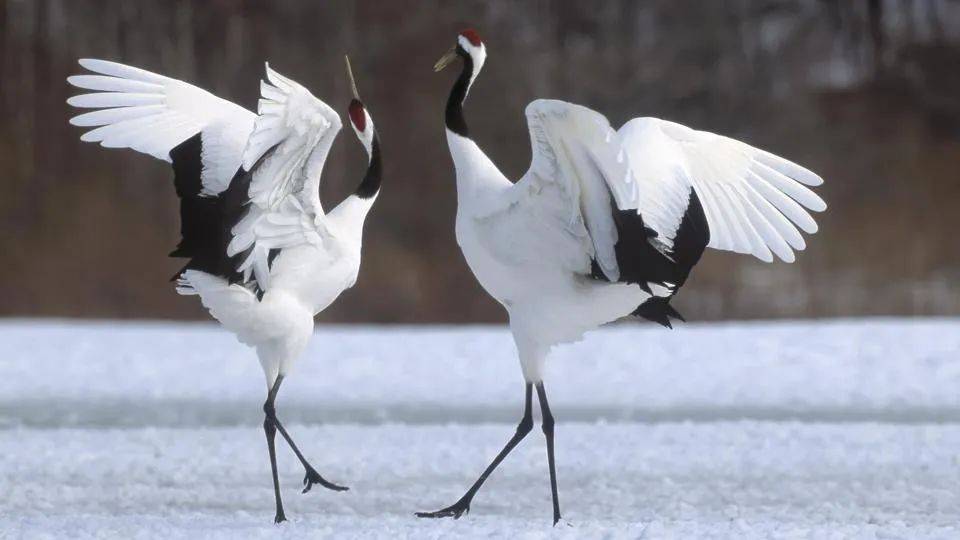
865, 93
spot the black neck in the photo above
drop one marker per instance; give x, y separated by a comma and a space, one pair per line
454, 117
370, 184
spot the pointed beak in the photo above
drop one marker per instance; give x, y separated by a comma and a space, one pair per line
446, 59
353, 83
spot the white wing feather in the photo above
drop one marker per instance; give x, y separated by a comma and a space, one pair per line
753, 200
573, 149
152, 114
285, 154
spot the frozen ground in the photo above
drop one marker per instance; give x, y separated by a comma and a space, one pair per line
847, 429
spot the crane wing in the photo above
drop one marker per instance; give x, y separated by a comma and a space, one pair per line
284, 157
753, 200
576, 160
670, 177
152, 114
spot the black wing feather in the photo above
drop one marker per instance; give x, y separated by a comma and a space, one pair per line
206, 222
642, 263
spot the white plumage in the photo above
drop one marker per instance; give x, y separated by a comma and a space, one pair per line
263, 257
285, 189
607, 223
754, 201
152, 114
531, 243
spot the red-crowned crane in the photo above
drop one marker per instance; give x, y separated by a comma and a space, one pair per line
606, 224
262, 254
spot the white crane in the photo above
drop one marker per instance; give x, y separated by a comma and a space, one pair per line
262, 254
605, 224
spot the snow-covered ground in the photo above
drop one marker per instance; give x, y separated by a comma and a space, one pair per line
842, 429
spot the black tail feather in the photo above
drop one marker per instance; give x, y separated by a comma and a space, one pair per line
658, 309
642, 262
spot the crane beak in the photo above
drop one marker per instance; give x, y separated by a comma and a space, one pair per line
353, 83
446, 59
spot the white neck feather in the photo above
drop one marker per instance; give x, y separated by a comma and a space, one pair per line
348, 216
478, 55
476, 174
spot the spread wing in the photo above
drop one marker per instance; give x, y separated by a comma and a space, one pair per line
576, 159
670, 177
754, 201
151, 113
284, 157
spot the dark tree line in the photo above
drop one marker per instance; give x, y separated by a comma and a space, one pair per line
866, 93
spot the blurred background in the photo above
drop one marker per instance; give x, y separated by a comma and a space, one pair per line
864, 92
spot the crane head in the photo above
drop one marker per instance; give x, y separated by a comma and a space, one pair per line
469, 44
359, 117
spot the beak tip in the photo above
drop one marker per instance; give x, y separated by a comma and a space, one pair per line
445, 60
353, 83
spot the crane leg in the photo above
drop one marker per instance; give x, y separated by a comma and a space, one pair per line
548, 433
311, 476
269, 428
462, 506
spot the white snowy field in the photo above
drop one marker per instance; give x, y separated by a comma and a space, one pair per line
839, 429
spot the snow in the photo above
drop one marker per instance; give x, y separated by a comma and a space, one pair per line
835, 429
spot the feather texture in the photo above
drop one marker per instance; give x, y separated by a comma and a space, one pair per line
572, 150
754, 201
285, 152
152, 114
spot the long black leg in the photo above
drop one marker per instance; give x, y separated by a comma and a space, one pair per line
548, 433
269, 427
312, 476
462, 506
